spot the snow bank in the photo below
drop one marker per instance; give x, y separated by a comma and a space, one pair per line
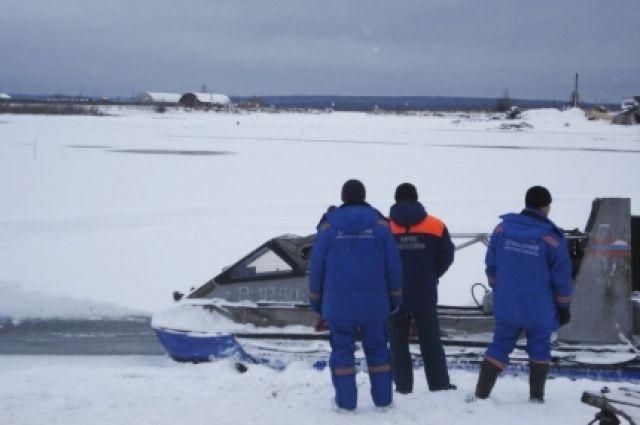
194, 318
190, 315
17, 304
157, 391
552, 119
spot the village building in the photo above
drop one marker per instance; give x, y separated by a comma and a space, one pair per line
157, 97
195, 100
630, 114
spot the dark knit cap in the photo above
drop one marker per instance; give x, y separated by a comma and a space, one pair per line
537, 197
406, 192
353, 192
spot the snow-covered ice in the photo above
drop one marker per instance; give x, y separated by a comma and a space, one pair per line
105, 216
156, 391
19, 304
125, 209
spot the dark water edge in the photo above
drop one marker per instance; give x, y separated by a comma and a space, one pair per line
405, 103
128, 335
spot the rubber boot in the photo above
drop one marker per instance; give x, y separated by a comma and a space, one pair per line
487, 379
537, 378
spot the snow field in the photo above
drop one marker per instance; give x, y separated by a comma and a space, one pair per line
157, 391
105, 216
82, 219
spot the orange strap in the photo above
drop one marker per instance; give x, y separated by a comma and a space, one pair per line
430, 225
395, 294
495, 362
564, 300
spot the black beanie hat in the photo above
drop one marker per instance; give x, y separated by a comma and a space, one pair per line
406, 192
537, 197
353, 192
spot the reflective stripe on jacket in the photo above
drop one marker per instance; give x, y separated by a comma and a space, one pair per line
529, 267
355, 265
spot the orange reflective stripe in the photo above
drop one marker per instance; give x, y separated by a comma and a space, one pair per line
314, 296
383, 222
551, 241
324, 226
380, 369
430, 225
396, 293
495, 362
343, 371
395, 229
564, 299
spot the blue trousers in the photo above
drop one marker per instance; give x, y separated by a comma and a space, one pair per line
435, 365
342, 361
505, 337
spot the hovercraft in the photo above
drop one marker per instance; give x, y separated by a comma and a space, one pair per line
256, 311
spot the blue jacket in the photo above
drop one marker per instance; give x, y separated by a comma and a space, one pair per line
529, 268
426, 250
355, 271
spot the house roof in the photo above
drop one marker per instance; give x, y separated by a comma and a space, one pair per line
161, 97
217, 99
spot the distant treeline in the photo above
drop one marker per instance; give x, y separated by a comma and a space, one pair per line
48, 109
338, 103
404, 103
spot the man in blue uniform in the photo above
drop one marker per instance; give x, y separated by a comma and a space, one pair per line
355, 280
529, 269
427, 252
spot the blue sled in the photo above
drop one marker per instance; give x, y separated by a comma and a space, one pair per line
194, 348
190, 347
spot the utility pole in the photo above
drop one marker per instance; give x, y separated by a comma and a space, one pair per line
575, 95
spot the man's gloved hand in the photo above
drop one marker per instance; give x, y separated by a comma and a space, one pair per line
564, 315
321, 325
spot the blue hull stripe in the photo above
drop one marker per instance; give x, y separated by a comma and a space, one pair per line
185, 347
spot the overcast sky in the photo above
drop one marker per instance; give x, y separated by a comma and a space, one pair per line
395, 47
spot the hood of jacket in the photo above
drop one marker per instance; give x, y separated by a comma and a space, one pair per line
407, 213
532, 225
353, 219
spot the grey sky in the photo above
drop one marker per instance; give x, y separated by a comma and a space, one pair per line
368, 47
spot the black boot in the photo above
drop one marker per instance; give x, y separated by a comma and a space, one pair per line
448, 387
537, 378
487, 379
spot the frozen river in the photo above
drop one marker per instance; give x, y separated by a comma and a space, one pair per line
129, 336
106, 216
103, 217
